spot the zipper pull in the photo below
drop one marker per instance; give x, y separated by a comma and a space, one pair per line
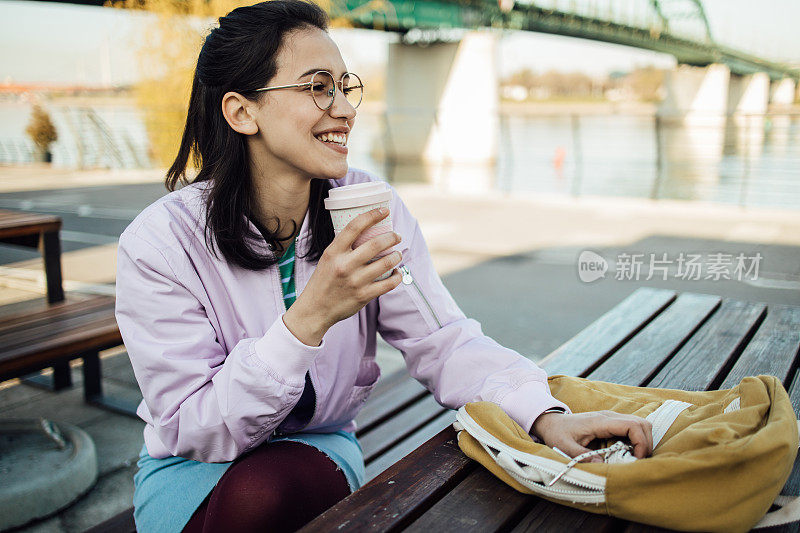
407, 279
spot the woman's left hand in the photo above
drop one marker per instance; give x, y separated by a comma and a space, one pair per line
571, 433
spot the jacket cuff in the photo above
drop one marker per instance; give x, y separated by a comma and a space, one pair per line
525, 403
281, 351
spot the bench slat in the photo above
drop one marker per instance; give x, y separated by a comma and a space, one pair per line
22, 218
640, 358
388, 382
96, 336
703, 362
385, 404
586, 350
410, 443
399, 495
27, 339
546, 517
383, 437
479, 503
26, 308
54, 313
15, 223
773, 348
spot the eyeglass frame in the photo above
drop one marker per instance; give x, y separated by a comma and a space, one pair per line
310, 84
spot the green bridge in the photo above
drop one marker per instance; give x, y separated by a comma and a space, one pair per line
442, 88
676, 27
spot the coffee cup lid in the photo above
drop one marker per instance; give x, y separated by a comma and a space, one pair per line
357, 195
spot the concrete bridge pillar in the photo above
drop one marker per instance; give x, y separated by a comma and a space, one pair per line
693, 127
696, 92
782, 92
748, 95
442, 102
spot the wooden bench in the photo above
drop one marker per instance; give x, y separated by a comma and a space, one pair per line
76, 328
33, 230
645, 340
653, 338
33, 337
37, 231
398, 417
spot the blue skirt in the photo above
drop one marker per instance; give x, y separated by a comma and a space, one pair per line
168, 491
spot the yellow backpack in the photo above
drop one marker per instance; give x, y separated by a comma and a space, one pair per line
720, 458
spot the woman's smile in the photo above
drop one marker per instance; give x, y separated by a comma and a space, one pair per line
337, 142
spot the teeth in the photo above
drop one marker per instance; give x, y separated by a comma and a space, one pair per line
338, 138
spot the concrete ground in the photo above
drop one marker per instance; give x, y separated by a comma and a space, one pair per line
510, 263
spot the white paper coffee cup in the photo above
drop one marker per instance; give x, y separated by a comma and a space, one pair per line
347, 202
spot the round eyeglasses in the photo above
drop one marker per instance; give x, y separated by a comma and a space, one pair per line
323, 88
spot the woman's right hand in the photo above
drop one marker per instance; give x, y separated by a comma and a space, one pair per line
343, 282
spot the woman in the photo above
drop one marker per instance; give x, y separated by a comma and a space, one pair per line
251, 329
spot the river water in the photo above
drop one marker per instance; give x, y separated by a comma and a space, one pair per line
748, 161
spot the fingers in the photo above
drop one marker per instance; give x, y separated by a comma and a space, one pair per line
383, 286
648, 431
575, 431
344, 241
638, 431
380, 266
373, 247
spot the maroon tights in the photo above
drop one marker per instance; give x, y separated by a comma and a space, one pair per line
279, 486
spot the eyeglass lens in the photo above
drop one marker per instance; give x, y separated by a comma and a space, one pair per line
322, 89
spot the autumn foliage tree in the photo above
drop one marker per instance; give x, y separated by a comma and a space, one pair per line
41, 129
167, 58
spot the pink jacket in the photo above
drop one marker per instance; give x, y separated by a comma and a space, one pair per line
219, 370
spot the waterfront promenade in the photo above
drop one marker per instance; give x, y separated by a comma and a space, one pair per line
509, 261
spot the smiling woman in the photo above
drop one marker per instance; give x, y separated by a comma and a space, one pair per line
238, 127
254, 347
260, 154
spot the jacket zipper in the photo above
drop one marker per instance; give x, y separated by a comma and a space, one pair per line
311, 380
408, 279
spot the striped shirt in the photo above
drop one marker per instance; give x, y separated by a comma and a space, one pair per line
286, 268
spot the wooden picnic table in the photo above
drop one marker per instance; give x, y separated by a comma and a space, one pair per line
37, 231
75, 328
34, 230
654, 338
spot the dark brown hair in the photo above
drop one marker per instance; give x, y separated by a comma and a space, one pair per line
240, 56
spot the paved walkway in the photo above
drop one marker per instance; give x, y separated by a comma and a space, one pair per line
511, 263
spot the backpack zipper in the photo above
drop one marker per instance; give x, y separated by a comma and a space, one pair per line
408, 279
594, 492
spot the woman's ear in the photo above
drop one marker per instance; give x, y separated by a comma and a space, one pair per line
237, 111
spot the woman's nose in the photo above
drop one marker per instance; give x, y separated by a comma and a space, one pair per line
341, 106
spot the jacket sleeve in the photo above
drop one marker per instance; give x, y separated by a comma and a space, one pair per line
206, 404
446, 351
